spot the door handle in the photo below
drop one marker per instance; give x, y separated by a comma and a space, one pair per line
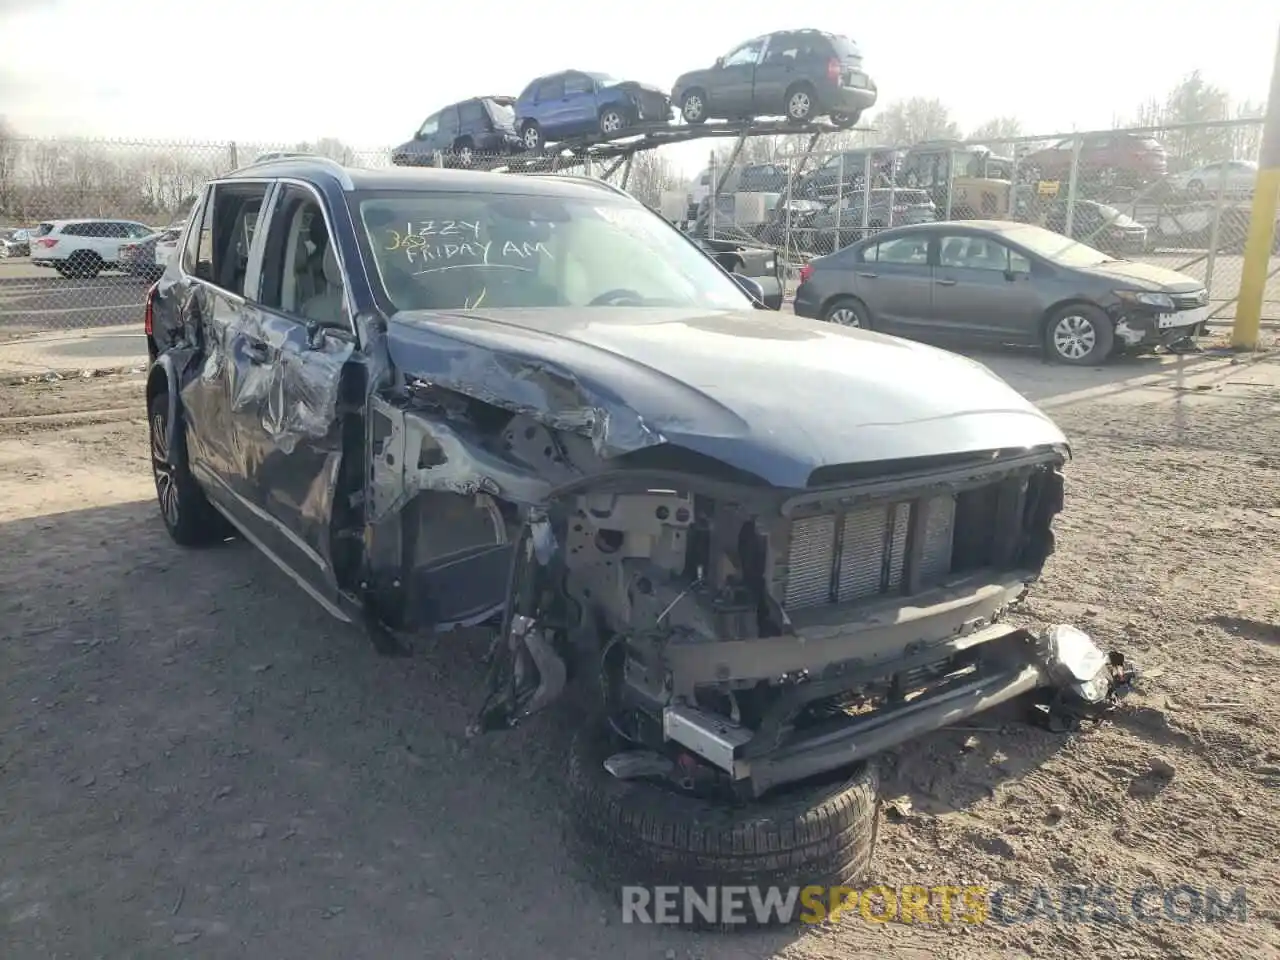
945, 283
869, 276
256, 351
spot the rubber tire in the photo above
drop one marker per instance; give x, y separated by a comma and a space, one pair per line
197, 523
685, 99
851, 303
640, 833
846, 121
84, 265
1103, 346
814, 108
524, 136
626, 122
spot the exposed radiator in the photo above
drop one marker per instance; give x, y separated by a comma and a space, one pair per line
843, 557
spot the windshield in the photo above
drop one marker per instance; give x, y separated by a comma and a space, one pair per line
1056, 247
457, 251
502, 114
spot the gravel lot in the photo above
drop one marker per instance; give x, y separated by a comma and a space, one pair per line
196, 762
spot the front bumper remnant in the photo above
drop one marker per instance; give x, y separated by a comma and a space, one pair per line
1011, 662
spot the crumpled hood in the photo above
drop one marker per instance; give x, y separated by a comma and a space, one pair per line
1145, 276
775, 395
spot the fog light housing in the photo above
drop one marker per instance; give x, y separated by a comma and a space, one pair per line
1075, 663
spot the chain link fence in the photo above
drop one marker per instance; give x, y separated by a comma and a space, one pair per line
1177, 197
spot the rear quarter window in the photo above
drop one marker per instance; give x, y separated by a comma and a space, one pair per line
843, 47
43, 230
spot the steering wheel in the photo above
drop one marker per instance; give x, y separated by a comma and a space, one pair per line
616, 298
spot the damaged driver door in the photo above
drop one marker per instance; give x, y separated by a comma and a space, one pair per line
292, 347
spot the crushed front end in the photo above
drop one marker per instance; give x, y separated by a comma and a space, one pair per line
746, 637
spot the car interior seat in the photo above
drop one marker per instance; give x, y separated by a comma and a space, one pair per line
326, 306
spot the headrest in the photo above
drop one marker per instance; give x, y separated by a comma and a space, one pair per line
332, 272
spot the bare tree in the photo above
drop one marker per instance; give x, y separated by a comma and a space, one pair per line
905, 122
996, 129
651, 174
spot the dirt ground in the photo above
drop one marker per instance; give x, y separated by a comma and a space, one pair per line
195, 761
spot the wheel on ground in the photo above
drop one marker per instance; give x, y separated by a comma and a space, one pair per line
188, 516
612, 121
1079, 334
464, 152
802, 103
83, 265
531, 136
643, 833
693, 106
845, 120
847, 312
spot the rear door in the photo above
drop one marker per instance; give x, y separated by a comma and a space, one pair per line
983, 291
290, 353
894, 279
447, 133
580, 108
782, 63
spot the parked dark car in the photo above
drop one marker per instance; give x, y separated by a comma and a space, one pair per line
889, 207
463, 133
579, 103
147, 258
844, 173
799, 74
1107, 158
439, 399
1098, 225
1001, 282
15, 243
759, 263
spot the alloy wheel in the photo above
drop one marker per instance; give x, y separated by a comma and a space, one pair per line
845, 317
692, 107
799, 106
611, 122
1074, 337
166, 482
531, 138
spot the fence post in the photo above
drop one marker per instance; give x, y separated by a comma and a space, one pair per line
233, 155
437, 159
1215, 229
786, 233
712, 197
951, 175
893, 184
586, 165
866, 193
835, 242
1073, 182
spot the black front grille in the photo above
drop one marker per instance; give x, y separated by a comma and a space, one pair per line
1190, 301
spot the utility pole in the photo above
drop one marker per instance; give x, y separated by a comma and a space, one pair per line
1262, 223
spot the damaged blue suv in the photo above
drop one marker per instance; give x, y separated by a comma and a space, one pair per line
442, 398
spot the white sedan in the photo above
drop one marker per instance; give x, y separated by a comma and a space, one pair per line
1240, 176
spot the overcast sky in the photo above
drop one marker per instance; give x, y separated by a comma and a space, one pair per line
368, 72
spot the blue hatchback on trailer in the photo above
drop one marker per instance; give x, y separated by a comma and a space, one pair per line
577, 103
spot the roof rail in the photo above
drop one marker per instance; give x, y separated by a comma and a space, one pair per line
269, 160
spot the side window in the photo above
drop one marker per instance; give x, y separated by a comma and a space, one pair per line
301, 272
1019, 263
115, 230
783, 48
429, 126
973, 253
449, 122
748, 53
576, 83
189, 250
73, 230
138, 230
471, 114
912, 249
551, 89
226, 234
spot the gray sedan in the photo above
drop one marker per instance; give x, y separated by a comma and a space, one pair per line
1001, 282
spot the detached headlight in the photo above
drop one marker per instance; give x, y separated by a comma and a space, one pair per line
1161, 301
1076, 663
